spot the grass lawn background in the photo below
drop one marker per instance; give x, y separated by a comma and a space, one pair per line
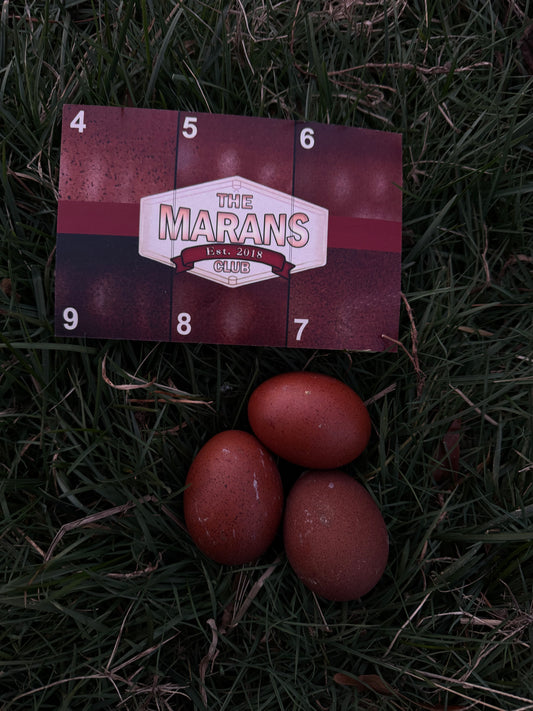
105, 603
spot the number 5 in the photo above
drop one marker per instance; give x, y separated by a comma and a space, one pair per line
303, 323
190, 129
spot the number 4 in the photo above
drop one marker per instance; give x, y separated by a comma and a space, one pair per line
303, 323
79, 121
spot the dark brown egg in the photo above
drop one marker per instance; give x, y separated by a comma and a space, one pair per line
310, 419
335, 537
233, 499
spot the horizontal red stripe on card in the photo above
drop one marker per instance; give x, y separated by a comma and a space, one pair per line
362, 233
98, 218
122, 219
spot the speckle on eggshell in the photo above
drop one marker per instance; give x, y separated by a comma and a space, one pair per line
310, 419
233, 499
335, 537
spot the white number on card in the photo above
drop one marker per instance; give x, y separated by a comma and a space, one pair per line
190, 129
79, 122
307, 138
184, 323
302, 323
71, 318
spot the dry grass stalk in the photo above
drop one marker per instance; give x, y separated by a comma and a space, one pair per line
89, 521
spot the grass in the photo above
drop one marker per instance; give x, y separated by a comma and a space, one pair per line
104, 601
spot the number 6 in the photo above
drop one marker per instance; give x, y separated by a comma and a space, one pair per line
307, 138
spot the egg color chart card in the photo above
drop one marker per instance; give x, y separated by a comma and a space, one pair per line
205, 228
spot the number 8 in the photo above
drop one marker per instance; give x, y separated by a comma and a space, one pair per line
184, 323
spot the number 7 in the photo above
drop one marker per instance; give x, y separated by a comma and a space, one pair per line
303, 323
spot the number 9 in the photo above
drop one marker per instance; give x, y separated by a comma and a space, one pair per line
71, 318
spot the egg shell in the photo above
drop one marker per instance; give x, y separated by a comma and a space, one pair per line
334, 534
233, 501
310, 419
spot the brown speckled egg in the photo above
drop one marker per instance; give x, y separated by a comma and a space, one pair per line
233, 499
335, 537
310, 419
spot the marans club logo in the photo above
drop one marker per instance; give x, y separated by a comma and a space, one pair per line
233, 231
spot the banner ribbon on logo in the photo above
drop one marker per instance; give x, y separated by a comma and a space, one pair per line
186, 260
